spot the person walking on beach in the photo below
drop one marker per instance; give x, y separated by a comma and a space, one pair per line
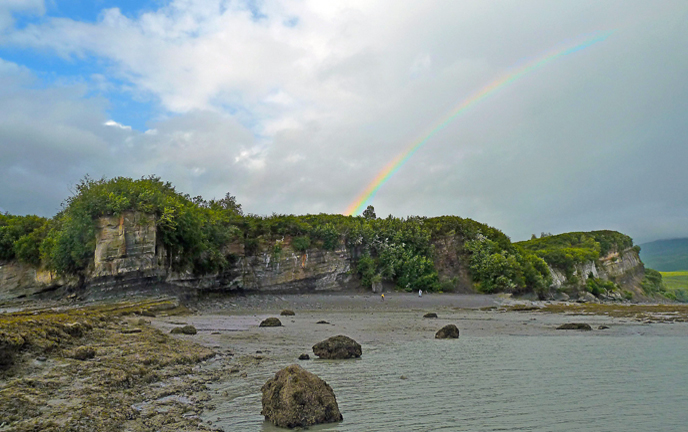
420, 293
382, 296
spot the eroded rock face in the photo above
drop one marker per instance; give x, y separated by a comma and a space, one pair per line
125, 244
450, 331
295, 397
338, 347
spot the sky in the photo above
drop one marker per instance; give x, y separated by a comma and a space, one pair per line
295, 106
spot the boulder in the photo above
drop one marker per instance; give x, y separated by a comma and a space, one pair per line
338, 347
430, 315
83, 353
322, 322
187, 330
287, 312
304, 357
450, 331
271, 322
602, 327
587, 297
575, 326
295, 397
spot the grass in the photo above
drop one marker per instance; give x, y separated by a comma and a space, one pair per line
676, 283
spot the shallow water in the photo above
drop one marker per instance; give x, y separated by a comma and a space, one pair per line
499, 383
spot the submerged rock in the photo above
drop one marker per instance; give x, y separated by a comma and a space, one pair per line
338, 347
187, 330
287, 312
295, 397
575, 326
450, 331
271, 322
430, 315
304, 357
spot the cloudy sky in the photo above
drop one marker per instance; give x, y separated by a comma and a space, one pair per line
294, 106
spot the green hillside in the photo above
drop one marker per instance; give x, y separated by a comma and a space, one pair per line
666, 255
676, 284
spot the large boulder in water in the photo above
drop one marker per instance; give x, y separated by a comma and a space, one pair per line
298, 398
338, 347
450, 331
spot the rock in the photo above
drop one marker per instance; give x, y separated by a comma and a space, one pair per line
142, 322
83, 353
337, 347
575, 326
304, 357
602, 327
147, 313
187, 330
271, 322
322, 322
430, 315
450, 331
295, 397
287, 312
561, 296
41, 358
403, 377
586, 298
130, 330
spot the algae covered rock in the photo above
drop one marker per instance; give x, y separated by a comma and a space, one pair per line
338, 347
575, 326
295, 397
187, 330
287, 312
83, 353
271, 322
430, 315
9, 346
450, 331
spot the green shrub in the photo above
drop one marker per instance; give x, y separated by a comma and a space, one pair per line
301, 243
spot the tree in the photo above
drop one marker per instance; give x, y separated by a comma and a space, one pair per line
369, 213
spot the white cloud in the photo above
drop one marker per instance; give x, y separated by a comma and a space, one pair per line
113, 123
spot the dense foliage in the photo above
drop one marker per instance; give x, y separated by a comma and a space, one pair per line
195, 233
565, 251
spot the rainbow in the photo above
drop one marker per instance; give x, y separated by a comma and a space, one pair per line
392, 167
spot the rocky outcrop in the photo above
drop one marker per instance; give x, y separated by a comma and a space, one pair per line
338, 347
624, 268
575, 326
450, 331
187, 330
19, 280
295, 397
430, 315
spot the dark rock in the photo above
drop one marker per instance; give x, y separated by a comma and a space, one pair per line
322, 322
271, 322
575, 326
187, 330
298, 398
337, 347
602, 327
304, 357
403, 377
287, 312
450, 331
83, 353
430, 315
130, 330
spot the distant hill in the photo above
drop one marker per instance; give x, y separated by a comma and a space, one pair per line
665, 255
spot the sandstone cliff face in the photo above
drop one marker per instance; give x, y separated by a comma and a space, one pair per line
624, 268
18, 280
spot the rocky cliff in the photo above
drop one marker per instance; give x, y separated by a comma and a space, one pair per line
623, 268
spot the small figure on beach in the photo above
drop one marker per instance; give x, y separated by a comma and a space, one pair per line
420, 293
382, 296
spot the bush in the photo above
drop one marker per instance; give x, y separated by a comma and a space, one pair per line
301, 243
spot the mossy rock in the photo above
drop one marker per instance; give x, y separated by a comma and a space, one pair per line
430, 315
575, 326
83, 353
271, 322
338, 347
450, 331
304, 357
287, 312
295, 397
187, 330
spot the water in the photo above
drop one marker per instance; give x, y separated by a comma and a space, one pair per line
499, 383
